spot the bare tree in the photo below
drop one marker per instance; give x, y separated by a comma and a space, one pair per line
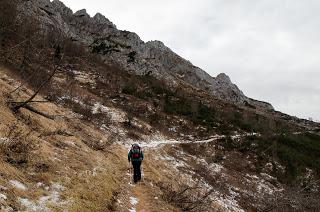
7, 22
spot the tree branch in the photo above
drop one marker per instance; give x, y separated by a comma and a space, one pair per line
23, 104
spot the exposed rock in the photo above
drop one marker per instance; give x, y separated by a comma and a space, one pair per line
132, 54
82, 13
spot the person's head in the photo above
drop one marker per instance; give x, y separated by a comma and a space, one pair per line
135, 146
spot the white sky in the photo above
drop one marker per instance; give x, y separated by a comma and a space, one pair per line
269, 48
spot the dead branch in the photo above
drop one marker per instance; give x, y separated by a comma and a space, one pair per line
40, 101
23, 104
22, 84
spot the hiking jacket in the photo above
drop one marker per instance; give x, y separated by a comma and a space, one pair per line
135, 159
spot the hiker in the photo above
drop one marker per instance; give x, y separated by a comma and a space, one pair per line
135, 156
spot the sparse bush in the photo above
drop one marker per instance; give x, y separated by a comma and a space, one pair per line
217, 158
187, 198
129, 89
180, 106
16, 149
98, 145
73, 49
296, 152
225, 128
100, 47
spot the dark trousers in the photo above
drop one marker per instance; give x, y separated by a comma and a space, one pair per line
136, 170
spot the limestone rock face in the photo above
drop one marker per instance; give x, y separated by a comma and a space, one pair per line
128, 51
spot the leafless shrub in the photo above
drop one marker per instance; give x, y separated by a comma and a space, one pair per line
188, 198
73, 49
61, 132
42, 167
98, 145
17, 147
133, 135
295, 199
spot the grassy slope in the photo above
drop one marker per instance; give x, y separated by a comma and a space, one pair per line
55, 151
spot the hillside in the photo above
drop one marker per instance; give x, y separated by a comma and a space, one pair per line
128, 51
66, 149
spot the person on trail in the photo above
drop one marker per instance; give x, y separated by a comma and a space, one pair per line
135, 156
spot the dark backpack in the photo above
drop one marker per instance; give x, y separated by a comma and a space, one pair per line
136, 152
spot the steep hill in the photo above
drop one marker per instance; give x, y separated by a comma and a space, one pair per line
129, 52
97, 90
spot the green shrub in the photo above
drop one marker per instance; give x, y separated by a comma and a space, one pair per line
129, 89
206, 114
179, 107
295, 152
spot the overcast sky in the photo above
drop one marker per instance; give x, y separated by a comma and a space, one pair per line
269, 48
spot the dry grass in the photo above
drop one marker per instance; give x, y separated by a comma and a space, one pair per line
54, 151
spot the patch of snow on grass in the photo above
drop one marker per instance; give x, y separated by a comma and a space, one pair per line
173, 129
39, 184
116, 115
29, 204
215, 167
3, 197
133, 202
53, 198
263, 186
229, 204
17, 184
98, 107
4, 139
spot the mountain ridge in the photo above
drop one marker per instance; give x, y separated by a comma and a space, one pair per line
127, 50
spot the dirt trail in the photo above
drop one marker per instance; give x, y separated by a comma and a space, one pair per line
144, 196
140, 197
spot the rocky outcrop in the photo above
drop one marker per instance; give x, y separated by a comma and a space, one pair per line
129, 52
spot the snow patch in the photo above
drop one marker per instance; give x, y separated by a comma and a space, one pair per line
39, 184
263, 186
41, 204
3, 197
98, 107
116, 115
215, 167
4, 139
229, 204
17, 184
173, 129
133, 202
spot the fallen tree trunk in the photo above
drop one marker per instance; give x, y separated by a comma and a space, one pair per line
28, 107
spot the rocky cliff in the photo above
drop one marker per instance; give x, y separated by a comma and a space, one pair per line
128, 51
